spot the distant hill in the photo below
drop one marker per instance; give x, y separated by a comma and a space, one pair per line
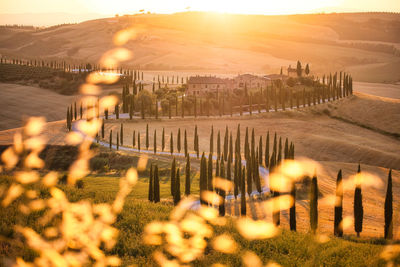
367, 44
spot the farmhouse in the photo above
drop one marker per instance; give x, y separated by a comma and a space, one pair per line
202, 84
250, 81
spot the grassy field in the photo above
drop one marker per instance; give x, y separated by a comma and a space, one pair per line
287, 249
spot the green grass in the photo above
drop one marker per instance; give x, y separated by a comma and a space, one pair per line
287, 249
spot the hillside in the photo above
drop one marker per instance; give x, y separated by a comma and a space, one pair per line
362, 43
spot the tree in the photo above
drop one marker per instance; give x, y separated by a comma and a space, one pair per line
122, 134
151, 186
178, 140
177, 194
226, 141
314, 204
185, 145
196, 142
155, 141
358, 205
299, 70
203, 178
389, 208
249, 176
117, 141
267, 151
338, 229
102, 129
219, 145
307, 70
134, 139
147, 136
187, 176
210, 173
243, 193
172, 177
222, 193
163, 139
156, 182
292, 211
260, 151
171, 144
138, 140
212, 140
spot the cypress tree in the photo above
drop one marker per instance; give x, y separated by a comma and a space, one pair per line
210, 173
266, 161
163, 139
177, 195
187, 176
246, 144
155, 141
122, 134
105, 113
172, 177
279, 159
102, 129
286, 151
75, 111
183, 106
228, 171
134, 139
110, 139
222, 193
236, 179
212, 140
358, 206
147, 137
203, 178
117, 141
338, 229
217, 168
138, 140
219, 145
151, 186
389, 208
243, 193
292, 211
185, 145
81, 112
171, 144
260, 151
256, 174
195, 106
178, 140
226, 140
314, 204
249, 176
156, 182
230, 151
196, 141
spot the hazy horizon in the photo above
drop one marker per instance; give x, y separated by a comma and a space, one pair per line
48, 13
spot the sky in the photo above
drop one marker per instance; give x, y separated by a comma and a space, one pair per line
84, 9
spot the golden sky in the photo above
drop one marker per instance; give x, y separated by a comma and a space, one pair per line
170, 6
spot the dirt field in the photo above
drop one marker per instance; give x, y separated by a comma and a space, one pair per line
19, 101
378, 89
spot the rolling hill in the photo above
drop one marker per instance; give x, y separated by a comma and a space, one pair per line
366, 44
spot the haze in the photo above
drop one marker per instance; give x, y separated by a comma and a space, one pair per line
51, 12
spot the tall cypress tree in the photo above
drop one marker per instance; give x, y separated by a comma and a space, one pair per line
203, 178
219, 145
122, 134
230, 150
171, 143
117, 141
185, 145
155, 141
187, 176
156, 182
226, 140
177, 194
338, 229
212, 140
243, 193
279, 159
266, 161
249, 176
178, 140
358, 206
389, 208
260, 151
151, 185
246, 144
222, 193
102, 129
172, 177
292, 211
138, 140
314, 204
163, 139
210, 173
